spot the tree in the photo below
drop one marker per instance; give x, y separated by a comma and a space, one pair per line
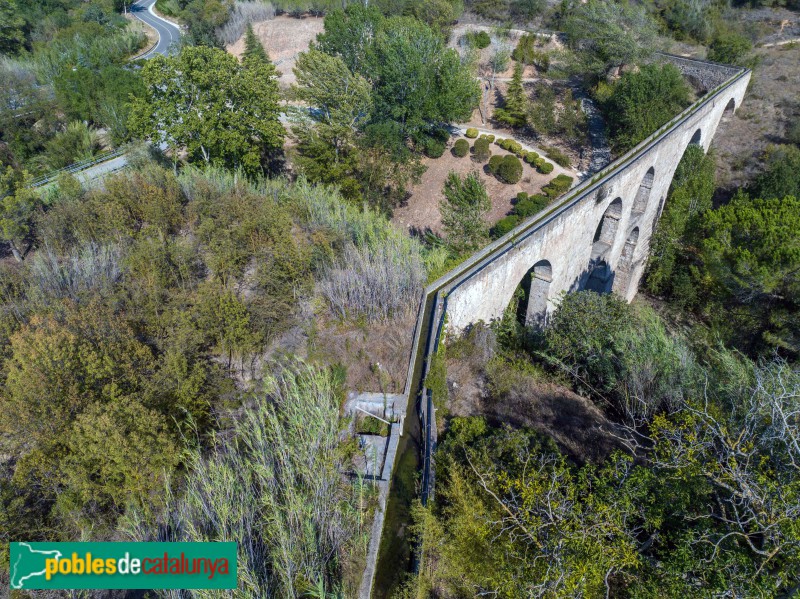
419, 83
689, 197
253, 48
642, 101
608, 35
18, 204
750, 253
463, 208
12, 36
781, 175
341, 102
349, 34
515, 106
729, 47
220, 111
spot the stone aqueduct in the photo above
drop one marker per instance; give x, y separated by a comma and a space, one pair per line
598, 238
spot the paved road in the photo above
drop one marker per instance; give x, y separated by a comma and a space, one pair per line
169, 34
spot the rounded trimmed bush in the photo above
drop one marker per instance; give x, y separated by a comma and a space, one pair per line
461, 148
499, 141
494, 163
521, 197
433, 148
546, 168
489, 137
531, 157
538, 162
504, 225
532, 205
481, 150
472, 133
510, 170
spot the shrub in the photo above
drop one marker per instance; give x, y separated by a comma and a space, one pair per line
488, 137
562, 182
510, 170
545, 167
500, 141
530, 157
504, 225
494, 163
514, 147
521, 197
480, 39
526, 53
461, 148
531, 205
472, 133
481, 150
556, 156
729, 48
433, 147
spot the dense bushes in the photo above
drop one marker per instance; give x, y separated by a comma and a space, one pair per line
510, 170
526, 52
557, 156
641, 102
461, 148
471, 133
544, 167
557, 186
529, 205
481, 150
479, 39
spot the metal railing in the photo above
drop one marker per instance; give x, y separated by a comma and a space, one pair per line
77, 167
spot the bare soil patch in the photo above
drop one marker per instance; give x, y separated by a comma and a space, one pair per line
284, 37
575, 423
421, 211
376, 356
771, 103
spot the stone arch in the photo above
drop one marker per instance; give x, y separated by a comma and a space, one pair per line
625, 264
529, 300
601, 277
730, 108
696, 138
643, 194
607, 228
541, 275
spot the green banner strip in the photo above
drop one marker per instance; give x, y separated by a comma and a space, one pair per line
123, 565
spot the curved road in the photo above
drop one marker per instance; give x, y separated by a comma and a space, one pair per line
169, 34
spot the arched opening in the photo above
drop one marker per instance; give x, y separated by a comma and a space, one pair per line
625, 265
607, 229
696, 138
532, 295
536, 311
600, 278
730, 108
640, 202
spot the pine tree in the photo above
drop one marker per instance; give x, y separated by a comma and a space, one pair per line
253, 48
514, 112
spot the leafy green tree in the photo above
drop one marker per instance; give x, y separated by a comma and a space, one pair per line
608, 35
99, 469
750, 253
18, 204
350, 33
689, 197
729, 47
642, 101
515, 105
219, 110
341, 101
418, 82
12, 36
781, 175
463, 209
